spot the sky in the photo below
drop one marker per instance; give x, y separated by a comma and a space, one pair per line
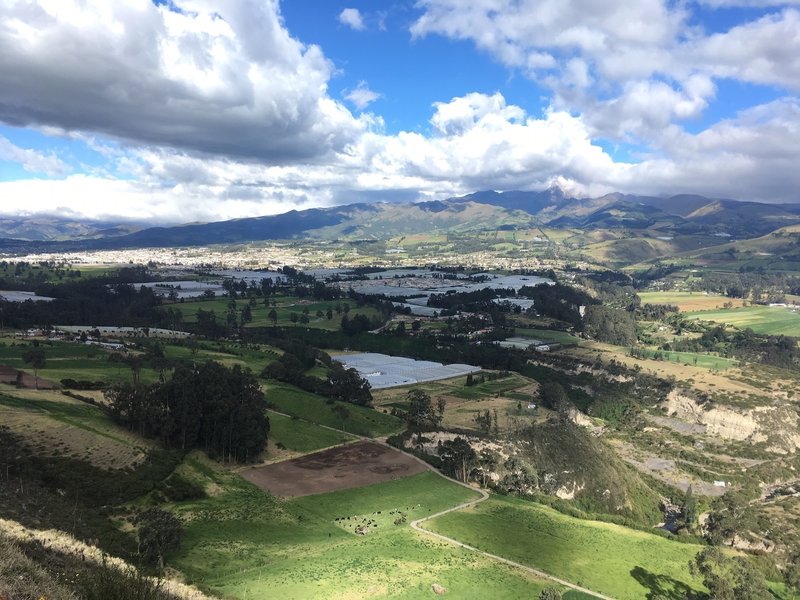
174, 111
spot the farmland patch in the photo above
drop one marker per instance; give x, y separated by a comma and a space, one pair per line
344, 467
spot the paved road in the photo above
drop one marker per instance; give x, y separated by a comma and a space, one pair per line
484, 496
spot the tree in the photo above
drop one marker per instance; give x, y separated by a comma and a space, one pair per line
485, 465
791, 573
348, 386
553, 396
458, 458
340, 410
36, 358
293, 318
520, 477
550, 593
730, 515
158, 532
441, 405
484, 421
729, 578
273, 316
420, 411
689, 508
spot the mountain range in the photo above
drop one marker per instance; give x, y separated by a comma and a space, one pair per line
684, 215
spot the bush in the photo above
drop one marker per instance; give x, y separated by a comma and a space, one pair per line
177, 488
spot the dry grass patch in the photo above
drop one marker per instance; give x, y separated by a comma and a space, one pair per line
689, 301
51, 424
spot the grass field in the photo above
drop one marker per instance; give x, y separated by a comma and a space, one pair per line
688, 301
78, 361
464, 402
616, 561
301, 436
362, 421
52, 424
772, 320
696, 359
284, 307
243, 543
547, 335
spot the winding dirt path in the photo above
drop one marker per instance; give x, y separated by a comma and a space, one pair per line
415, 525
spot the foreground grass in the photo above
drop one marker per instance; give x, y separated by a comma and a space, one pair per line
362, 421
771, 320
614, 560
243, 543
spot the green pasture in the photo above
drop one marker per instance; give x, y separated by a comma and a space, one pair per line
81, 362
771, 320
73, 360
301, 436
697, 359
243, 543
547, 335
311, 407
607, 558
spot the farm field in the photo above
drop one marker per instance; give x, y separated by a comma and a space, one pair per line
365, 421
688, 301
696, 359
298, 436
243, 543
52, 424
771, 320
463, 402
284, 307
616, 561
547, 335
344, 467
75, 360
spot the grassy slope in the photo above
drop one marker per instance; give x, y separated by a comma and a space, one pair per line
605, 557
362, 421
243, 543
302, 436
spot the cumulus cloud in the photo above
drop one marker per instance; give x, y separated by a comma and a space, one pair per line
204, 77
478, 141
352, 18
631, 68
361, 96
31, 160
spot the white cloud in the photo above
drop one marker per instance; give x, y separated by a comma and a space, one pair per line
361, 96
213, 78
31, 160
765, 51
352, 18
479, 142
630, 68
